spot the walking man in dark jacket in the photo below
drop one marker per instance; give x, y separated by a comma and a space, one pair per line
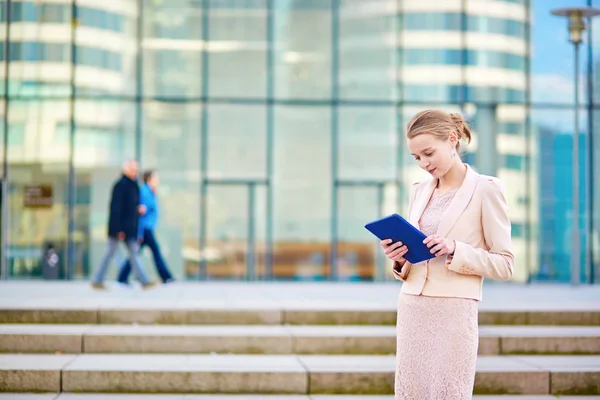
123, 225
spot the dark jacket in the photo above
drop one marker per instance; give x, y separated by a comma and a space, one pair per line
124, 203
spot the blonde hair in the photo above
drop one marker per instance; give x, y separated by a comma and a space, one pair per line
440, 124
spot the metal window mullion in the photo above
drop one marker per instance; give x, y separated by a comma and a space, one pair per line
204, 141
270, 139
5, 176
589, 165
138, 82
70, 267
528, 162
335, 54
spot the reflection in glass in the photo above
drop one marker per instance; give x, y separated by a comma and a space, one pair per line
227, 226
235, 225
104, 139
302, 64
237, 141
554, 132
595, 206
419, 79
552, 66
367, 50
302, 192
359, 254
172, 146
172, 48
38, 159
237, 50
367, 143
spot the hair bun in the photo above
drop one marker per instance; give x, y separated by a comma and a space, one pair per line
462, 128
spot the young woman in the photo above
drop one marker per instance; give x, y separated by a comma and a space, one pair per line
465, 217
146, 225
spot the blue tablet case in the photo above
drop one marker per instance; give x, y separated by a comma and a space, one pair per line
398, 229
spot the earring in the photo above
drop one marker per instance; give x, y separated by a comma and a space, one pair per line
453, 154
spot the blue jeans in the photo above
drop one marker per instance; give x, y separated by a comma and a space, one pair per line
150, 241
132, 250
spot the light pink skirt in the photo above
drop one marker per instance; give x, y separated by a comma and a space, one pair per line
437, 339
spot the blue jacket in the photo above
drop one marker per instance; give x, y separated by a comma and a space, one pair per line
150, 218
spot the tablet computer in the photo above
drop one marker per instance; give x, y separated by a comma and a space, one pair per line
398, 229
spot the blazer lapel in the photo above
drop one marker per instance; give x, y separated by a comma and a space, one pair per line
459, 203
421, 201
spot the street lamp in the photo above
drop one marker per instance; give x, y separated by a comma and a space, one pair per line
576, 17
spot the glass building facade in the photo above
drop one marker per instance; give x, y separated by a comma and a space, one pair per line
277, 127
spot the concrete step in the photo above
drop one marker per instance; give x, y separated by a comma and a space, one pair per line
272, 339
336, 314
106, 396
279, 374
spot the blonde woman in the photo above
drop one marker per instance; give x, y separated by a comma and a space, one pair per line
465, 217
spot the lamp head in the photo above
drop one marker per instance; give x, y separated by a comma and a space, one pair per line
576, 17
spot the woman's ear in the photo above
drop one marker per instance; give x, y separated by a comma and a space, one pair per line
453, 139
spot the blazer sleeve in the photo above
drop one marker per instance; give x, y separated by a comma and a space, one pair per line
498, 261
401, 272
116, 207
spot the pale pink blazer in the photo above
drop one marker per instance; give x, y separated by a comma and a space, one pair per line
477, 219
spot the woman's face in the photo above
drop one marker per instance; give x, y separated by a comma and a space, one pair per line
153, 181
432, 154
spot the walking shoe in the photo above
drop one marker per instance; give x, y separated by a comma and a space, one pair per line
149, 285
98, 286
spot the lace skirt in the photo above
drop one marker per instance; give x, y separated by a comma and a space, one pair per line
437, 339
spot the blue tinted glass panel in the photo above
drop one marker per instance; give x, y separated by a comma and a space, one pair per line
511, 128
54, 13
482, 58
100, 19
436, 93
98, 58
515, 161
427, 21
451, 93
61, 13
475, 23
517, 230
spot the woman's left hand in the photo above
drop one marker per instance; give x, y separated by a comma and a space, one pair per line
439, 245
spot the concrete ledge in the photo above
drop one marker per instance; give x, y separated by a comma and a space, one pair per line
339, 317
280, 374
31, 373
48, 316
190, 317
252, 339
21, 338
260, 316
185, 374
276, 339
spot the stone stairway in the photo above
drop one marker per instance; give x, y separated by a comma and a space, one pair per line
219, 341
300, 352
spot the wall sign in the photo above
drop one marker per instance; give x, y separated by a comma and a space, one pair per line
37, 196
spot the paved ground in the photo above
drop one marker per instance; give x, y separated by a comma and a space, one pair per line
71, 396
223, 295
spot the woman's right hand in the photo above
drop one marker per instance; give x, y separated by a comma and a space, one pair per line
394, 252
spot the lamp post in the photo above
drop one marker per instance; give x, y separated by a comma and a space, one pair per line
576, 26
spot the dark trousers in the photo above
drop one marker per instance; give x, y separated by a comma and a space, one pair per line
150, 241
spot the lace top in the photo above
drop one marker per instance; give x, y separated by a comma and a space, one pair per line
435, 209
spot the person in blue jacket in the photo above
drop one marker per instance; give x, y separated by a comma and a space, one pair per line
147, 223
123, 225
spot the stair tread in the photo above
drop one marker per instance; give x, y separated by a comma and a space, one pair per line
275, 363
278, 330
